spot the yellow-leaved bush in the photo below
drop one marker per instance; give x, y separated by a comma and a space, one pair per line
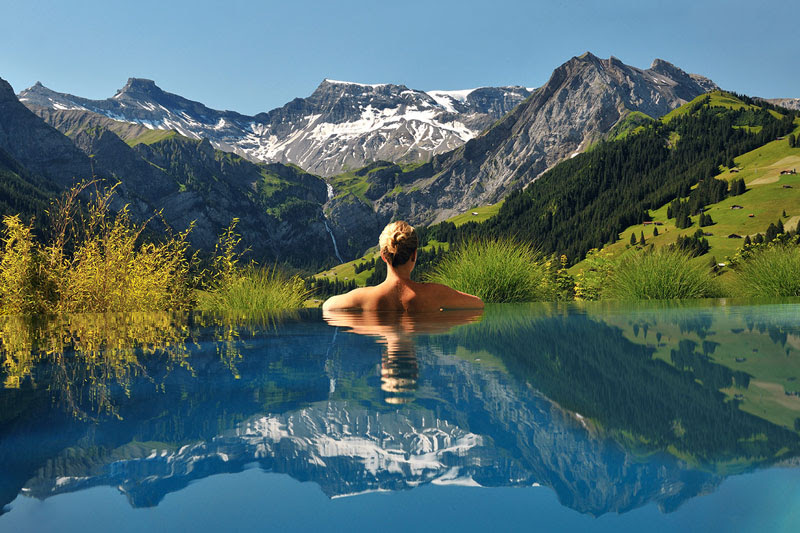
95, 261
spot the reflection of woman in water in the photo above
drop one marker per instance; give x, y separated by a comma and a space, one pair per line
398, 245
395, 331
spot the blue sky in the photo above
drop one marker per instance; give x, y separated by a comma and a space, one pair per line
251, 56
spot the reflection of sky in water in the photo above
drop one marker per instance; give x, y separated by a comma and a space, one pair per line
521, 396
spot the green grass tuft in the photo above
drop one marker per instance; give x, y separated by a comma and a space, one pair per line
495, 271
664, 274
772, 272
256, 290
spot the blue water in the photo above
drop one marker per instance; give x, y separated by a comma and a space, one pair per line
592, 417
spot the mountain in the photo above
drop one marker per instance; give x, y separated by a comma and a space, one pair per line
582, 102
279, 207
788, 103
586, 201
340, 125
38, 147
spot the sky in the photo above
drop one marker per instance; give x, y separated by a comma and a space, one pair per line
253, 56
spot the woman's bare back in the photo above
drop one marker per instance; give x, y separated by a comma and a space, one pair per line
404, 295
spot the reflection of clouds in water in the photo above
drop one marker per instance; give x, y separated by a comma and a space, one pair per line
396, 332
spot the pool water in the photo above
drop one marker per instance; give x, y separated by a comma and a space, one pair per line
602, 417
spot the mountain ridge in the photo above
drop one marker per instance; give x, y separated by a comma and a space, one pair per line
340, 125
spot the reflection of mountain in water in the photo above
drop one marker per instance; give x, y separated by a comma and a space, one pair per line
481, 429
469, 424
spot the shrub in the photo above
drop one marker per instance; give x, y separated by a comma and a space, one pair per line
772, 271
495, 271
94, 261
663, 274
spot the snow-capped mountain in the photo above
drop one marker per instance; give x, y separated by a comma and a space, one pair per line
341, 125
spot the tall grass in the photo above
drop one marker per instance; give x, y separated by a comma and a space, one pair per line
663, 274
256, 290
773, 271
495, 271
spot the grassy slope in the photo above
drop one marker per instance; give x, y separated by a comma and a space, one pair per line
483, 213
356, 182
151, 137
765, 198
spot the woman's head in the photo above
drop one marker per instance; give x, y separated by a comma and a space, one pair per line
398, 242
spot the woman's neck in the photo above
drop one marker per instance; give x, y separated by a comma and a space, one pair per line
399, 274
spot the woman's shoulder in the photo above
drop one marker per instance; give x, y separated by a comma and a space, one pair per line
447, 297
351, 300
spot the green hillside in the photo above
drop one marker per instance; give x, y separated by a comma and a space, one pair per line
152, 136
602, 195
769, 195
476, 214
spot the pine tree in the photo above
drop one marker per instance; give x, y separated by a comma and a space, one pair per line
747, 241
772, 232
655, 231
641, 239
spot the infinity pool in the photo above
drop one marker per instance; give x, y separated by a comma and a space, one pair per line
600, 417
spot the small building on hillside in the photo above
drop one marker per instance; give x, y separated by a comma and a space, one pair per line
788, 172
736, 207
734, 236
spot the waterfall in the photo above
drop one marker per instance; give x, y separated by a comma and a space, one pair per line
327, 227
335, 248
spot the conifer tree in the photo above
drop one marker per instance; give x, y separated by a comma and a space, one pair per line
772, 232
641, 239
655, 231
633, 239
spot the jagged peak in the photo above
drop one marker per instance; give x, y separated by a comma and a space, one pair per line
660, 65
139, 85
37, 87
587, 56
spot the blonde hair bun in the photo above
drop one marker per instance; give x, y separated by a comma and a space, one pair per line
398, 241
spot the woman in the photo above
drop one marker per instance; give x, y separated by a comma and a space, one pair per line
398, 245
